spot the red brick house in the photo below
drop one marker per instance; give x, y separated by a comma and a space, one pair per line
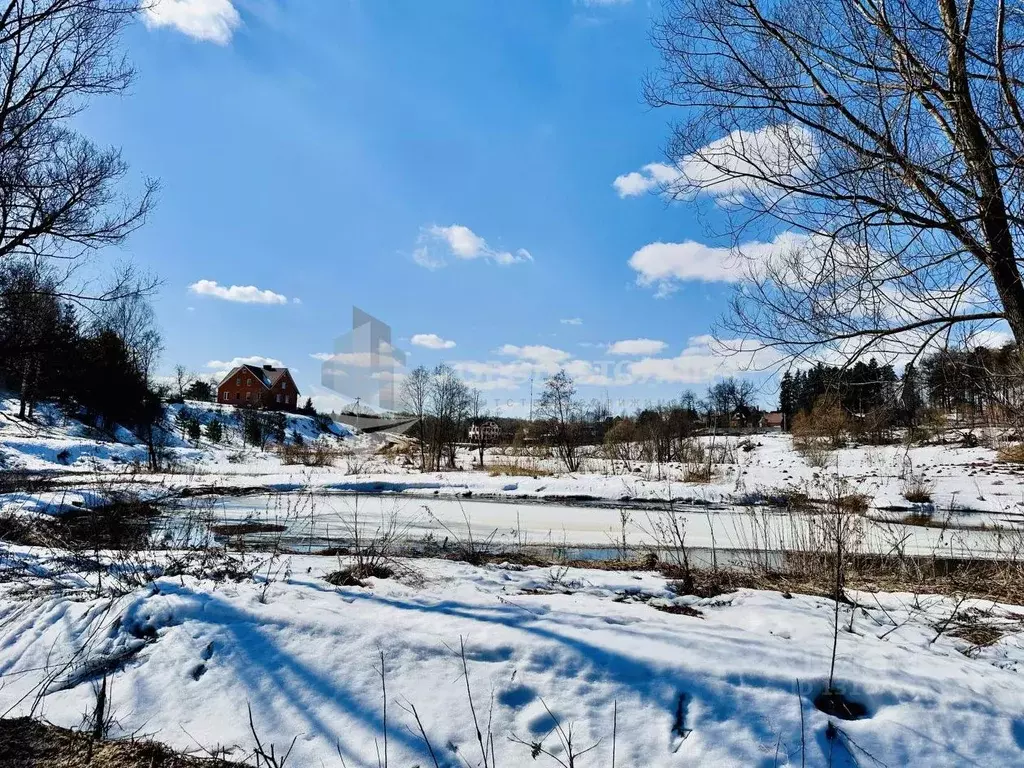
254, 385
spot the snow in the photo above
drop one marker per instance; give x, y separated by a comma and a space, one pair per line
324, 518
581, 643
55, 442
186, 656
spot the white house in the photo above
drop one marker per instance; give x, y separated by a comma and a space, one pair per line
489, 431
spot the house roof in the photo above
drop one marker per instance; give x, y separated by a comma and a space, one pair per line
266, 375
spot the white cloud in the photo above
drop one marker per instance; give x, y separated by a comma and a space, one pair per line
221, 368
731, 167
431, 341
702, 360
535, 353
571, 321
435, 243
652, 176
664, 265
357, 359
244, 294
211, 20
636, 347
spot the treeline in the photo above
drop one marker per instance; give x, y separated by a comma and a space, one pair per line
95, 362
962, 384
860, 388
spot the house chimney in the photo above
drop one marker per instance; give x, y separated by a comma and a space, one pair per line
267, 367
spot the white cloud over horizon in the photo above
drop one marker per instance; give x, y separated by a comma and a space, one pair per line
571, 321
436, 243
207, 20
431, 341
242, 294
702, 361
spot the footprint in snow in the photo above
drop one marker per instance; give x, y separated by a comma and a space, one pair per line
517, 696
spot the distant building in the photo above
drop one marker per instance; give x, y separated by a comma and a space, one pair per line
773, 420
489, 431
259, 386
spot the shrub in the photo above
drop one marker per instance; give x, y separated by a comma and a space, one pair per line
826, 423
917, 490
697, 473
1013, 453
315, 454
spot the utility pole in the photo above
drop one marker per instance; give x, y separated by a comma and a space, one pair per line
531, 396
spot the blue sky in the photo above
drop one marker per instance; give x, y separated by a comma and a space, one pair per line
471, 173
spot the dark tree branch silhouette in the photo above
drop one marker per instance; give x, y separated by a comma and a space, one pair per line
59, 193
868, 157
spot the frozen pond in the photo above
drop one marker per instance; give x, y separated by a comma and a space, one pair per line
313, 521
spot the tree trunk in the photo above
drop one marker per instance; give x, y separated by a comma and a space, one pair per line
998, 255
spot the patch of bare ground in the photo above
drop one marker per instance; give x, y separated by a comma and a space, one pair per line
241, 529
27, 743
815, 575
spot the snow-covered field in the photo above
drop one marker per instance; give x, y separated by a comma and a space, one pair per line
968, 486
732, 685
728, 680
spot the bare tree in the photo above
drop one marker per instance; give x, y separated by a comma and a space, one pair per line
448, 403
183, 380
730, 397
559, 406
415, 390
58, 196
128, 313
881, 146
476, 402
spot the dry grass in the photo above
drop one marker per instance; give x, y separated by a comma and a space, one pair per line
816, 452
978, 632
312, 454
1013, 453
353, 575
918, 490
698, 473
26, 743
517, 470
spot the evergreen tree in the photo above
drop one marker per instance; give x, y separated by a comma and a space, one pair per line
214, 431
910, 396
787, 398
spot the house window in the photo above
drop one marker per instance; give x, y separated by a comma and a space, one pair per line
238, 381
247, 395
279, 398
248, 382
